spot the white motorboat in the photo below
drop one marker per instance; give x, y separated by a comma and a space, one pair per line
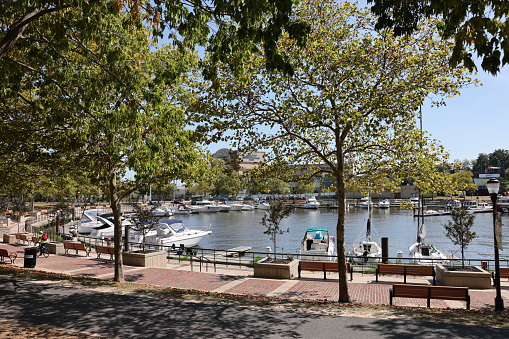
263, 206
311, 203
172, 232
241, 207
205, 206
383, 203
224, 207
89, 220
163, 211
365, 202
107, 230
367, 251
317, 245
236, 207
502, 204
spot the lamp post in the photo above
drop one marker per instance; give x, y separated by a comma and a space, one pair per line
493, 185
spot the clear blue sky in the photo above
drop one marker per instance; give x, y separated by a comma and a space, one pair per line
474, 122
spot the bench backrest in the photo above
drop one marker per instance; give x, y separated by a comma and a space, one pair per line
74, 245
311, 265
402, 290
391, 269
329, 266
448, 292
504, 272
3, 252
420, 270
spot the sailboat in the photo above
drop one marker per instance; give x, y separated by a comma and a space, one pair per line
367, 251
422, 253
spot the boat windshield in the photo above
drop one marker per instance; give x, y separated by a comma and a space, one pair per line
177, 226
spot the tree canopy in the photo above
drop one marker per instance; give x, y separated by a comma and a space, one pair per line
477, 25
351, 105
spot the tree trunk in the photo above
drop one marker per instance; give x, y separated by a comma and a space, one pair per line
117, 237
340, 232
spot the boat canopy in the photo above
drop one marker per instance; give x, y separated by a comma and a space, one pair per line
317, 229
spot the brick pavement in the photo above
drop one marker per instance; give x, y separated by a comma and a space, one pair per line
234, 280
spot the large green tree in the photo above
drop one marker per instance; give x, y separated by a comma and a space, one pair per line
351, 104
480, 25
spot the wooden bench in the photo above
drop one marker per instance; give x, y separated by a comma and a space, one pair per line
5, 254
22, 237
504, 273
396, 269
77, 246
430, 292
105, 250
322, 266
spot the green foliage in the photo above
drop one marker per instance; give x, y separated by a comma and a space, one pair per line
458, 230
462, 181
479, 25
143, 220
273, 217
350, 107
303, 187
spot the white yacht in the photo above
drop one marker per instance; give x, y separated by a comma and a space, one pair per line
263, 206
383, 203
365, 202
173, 232
311, 203
316, 245
89, 220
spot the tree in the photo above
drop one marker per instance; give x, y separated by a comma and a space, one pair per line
272, 220
304, 187
458, 230
273, 186
462, 181
143, 220
499, 158
112, 104
482, 162
479, 25
350, 106
238, 28
229, 183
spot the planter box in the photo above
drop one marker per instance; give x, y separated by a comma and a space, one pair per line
9, 238
150, 259
476, 278
55, 247
266, 269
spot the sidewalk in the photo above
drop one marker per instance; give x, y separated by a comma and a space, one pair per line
239, 280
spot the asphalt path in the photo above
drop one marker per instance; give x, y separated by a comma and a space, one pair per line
135, 316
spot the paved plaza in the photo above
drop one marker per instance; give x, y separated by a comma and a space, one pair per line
233, 279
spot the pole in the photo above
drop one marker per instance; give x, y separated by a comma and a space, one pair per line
499, 302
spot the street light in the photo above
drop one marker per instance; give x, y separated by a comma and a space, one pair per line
493, 185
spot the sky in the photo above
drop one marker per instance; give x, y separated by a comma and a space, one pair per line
477, 121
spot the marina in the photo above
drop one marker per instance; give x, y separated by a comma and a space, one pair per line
243, 228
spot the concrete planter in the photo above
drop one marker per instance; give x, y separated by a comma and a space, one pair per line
149, 259
276, 270
55, 247
474, 277
9, 238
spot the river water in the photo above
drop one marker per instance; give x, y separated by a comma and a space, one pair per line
244, 228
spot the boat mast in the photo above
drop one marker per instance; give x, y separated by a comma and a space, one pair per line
368, 226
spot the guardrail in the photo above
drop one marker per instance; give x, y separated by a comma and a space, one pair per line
206, 258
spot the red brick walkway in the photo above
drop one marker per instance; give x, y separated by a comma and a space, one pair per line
237, 281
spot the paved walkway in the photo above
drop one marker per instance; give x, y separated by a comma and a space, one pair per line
234, 280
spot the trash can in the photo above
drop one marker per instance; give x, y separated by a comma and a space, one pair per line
30, 257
